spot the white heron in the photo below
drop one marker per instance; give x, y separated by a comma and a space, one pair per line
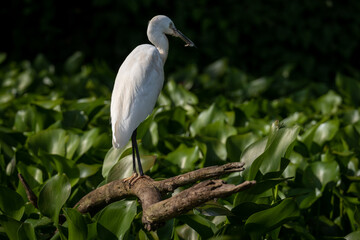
138, 84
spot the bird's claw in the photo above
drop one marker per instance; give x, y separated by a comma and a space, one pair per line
132, 179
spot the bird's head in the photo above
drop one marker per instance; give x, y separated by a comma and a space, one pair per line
164, 24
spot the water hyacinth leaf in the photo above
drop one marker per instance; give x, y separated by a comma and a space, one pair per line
11, 203
210, 115
204, 227
10, 226
217, 133
124, 168
73, 63
261, 189
49, 103
353, 236
53, 196
272, 218
349, 88
76, 224
66, 166
115, 219
186, 232
245, 209
179, 95
51, 141
252, 152
185, 157
235, 145
111, 158
27, 232
214, 209
74, 119
87, 170
326, 131
86, 141
328, 103
324, 172
270, 159
72, 144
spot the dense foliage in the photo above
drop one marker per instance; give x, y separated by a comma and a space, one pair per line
54, 130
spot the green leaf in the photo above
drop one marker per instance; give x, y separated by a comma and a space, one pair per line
27, 232
76, 224
201, 225
124, 168
86, 141
349, 88
210, 115
261, 189
51, 141
53, 196
277, 146
269, 219
235, 145
185, 157
328, 103
326, 131
179, 95
111, 158
11, 203
10, 226
324, 172
115, 219
353, 236
73, 63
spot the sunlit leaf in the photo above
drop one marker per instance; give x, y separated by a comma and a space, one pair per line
326, 131
328, 103
53, 196
51, 141
185, 157
124, 167
276, 146
210, 115
115, 220
353, 236
201, 225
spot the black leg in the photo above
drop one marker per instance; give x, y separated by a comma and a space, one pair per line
137, 152
133, 142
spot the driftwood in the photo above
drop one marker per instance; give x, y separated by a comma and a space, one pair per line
155, 210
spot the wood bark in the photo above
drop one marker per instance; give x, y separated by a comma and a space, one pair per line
155, 210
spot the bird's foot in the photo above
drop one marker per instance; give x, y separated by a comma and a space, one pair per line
132, 179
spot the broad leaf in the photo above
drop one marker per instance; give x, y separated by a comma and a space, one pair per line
53, 196
271, 218
76, 224
11, 203
115, 220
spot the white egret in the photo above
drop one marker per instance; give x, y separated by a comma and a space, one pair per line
138, 84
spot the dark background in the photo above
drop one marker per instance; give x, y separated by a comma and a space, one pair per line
319, 38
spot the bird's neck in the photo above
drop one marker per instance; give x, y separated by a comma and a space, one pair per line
161, 42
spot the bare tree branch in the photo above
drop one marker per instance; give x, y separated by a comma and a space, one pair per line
149, 191
155, 210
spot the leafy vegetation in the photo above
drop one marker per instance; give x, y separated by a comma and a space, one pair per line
300, 144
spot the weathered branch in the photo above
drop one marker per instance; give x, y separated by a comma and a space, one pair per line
149, 193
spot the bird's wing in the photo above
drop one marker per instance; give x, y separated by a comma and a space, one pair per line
137, 86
